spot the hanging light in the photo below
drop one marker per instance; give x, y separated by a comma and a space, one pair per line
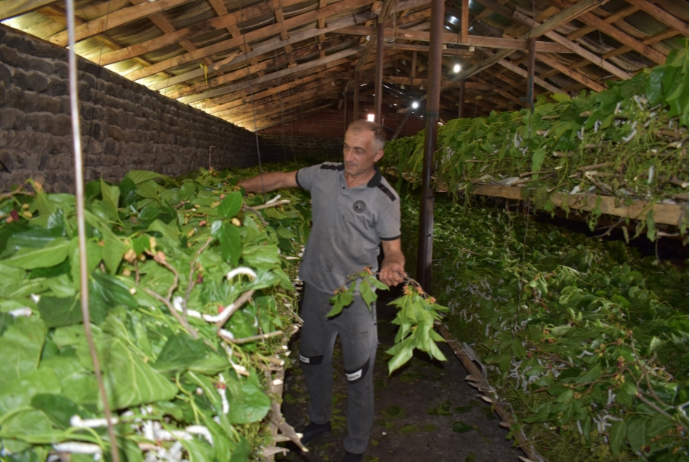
457, 68
370, 117
415, 105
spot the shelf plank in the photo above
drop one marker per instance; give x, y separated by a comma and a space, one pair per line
666, 214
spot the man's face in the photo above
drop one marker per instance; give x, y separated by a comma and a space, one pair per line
360, 152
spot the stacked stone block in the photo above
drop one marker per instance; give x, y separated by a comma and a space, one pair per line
124, 125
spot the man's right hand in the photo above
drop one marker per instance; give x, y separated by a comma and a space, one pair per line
270, 182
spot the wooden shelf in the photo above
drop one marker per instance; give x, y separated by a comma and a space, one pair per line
667, 214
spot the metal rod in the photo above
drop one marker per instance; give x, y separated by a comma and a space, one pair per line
355, 115
402, 124
81, 226
426, 213
378, 91
462, 98
345, 115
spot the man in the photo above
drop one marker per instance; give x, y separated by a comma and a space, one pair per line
354, 209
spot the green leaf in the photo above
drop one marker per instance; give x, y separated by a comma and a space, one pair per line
21, 391
368, 295
230, 243
52, 254
166, 231
111, 199
231, 205
128, 380
460, 427
25, 424
591, 375
261, 256
57, 408
636, 433
21, 346
617, 435
538, 159
248, 402
93, 255
518, 349
565, 397
60, 311
139, 176
180, 352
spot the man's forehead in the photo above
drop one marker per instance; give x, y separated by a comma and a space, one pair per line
362, 137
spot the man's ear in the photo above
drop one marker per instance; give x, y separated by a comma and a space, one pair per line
379, 155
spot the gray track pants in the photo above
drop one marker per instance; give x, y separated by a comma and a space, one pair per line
356, 326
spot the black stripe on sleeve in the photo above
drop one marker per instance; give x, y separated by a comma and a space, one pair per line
297, 179
391, 238
386, 191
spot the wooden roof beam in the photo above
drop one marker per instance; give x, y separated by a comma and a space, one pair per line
609, 20
661, 15
593, 58
573, 74
617, 34
252, 36
12, 8
276, 120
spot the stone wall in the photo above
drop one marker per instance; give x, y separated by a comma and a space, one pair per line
124, 125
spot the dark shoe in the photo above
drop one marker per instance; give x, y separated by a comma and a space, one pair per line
350, 457
313, 431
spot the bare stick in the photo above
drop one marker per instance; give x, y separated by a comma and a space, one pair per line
81, 226
160, 259
595, 166
272, 204
236, 305
174, 312
190, 282
249, 208
253, 338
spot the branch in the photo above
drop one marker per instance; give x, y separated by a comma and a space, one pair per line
190, 282
272, 204
182, 321
236, 305
253, 338
249, 208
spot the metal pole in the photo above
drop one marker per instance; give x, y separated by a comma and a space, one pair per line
531, 44
426, 214
356, 108
462, 98
345, 114
81, 226
378, 91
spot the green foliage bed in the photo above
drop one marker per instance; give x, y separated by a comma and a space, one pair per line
585, 340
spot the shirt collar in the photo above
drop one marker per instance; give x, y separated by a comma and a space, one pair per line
376, 179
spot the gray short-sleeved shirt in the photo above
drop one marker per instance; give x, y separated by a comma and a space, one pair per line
347, 224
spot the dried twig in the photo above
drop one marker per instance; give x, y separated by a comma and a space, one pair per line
272, 204
249, 208
234, 306
253, 338
174, 312
595, 166
190, 282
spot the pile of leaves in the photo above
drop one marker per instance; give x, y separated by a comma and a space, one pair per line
629, 142
585, 340
191, 300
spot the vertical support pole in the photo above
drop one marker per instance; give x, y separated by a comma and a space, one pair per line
378, 90
81, 227
355, 110
345, 114
461, 101
531, 45
414, 65
465, 21
426, 214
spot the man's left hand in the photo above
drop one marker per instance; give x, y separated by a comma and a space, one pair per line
392, 274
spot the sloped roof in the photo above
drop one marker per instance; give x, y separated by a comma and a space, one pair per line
252, 61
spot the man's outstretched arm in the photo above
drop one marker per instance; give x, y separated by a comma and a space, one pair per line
271, 182
392, 269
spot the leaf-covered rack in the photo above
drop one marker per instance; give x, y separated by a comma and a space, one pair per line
191, 302
627, 143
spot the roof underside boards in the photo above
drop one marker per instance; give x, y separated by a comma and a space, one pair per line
259, 63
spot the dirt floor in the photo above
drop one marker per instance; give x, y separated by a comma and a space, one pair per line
425, 412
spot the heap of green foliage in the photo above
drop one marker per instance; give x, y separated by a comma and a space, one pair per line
156, 245
586, 341
629, 142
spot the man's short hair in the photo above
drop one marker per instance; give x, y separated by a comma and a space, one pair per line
379, 132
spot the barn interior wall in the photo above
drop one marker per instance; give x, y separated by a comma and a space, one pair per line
124, 125
322, 133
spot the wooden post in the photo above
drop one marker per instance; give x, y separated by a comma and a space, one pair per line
414, 65
433, 99
378, 90
355, 110
465, 21
461, 100
345, 114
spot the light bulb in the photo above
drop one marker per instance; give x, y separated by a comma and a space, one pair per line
457, 68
